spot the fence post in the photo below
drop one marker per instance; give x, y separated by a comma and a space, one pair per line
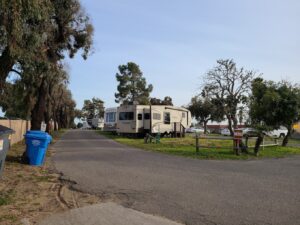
197, 143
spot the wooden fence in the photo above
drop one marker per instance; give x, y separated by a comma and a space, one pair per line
19, 126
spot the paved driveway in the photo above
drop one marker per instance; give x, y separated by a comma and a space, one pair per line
182, 189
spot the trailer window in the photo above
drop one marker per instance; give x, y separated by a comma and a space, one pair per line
156, 116
167, 118
126, 116
110, 117
140, 116
147, 116
183, 115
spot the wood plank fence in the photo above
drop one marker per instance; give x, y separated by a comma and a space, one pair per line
19, 126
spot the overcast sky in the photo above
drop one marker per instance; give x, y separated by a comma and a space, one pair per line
176, 42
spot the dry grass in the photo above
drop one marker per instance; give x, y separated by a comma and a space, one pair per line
34, 192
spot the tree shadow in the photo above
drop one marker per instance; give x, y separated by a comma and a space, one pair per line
21, 159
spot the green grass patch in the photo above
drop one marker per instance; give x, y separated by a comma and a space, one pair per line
6, 198
11, 218
211, 149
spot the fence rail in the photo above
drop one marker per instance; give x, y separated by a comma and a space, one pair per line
226, 142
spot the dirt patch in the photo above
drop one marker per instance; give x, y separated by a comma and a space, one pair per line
29, 194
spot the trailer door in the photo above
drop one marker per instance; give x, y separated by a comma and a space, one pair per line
146, 119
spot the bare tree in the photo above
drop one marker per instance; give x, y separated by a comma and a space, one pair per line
230, 87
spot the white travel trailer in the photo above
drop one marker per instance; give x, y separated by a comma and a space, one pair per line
110, 119
98, 123
142, 119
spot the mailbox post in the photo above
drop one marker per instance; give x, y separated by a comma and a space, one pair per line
237, 139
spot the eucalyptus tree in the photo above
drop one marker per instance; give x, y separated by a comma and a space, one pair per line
35, 36
23, 33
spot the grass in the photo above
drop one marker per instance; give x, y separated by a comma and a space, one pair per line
6, 197
218, 149
9, 218
21, 186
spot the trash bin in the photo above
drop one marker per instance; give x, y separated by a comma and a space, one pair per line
4, 145
36, 146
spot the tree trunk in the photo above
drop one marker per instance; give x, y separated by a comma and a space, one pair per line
6, 64
259, 140
230, 125
55, 125
287, 136
235, 122
38, 112
205, 126
47, 121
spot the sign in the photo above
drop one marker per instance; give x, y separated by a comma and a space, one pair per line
238, 134
43, 126
1, 144
36, 143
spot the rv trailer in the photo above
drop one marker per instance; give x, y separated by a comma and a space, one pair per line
110, 119
97, 123
152, 119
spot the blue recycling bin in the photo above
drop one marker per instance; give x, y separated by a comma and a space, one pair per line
36, 146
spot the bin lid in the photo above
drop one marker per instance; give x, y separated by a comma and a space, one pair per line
5, 130
36, 134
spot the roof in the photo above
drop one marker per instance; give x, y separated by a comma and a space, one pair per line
5, 130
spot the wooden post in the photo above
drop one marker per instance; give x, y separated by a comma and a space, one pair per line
197, 144
237, 138
175, 130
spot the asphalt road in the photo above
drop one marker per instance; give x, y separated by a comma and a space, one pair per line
186, 190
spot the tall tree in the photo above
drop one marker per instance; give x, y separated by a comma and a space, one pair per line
35, 36
70, 32
132, 86
230, 87
21, 96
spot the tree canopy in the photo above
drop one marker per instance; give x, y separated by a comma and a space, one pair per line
35, 36
204, 109
93, 109
274, 104
166, 101
132, 87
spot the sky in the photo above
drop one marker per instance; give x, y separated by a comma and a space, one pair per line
176, 42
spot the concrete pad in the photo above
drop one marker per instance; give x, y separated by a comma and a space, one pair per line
105, 214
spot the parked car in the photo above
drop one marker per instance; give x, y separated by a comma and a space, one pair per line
194, 130
281, 132
250, 132
225, 132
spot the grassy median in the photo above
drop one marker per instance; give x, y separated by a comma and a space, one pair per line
211, 149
